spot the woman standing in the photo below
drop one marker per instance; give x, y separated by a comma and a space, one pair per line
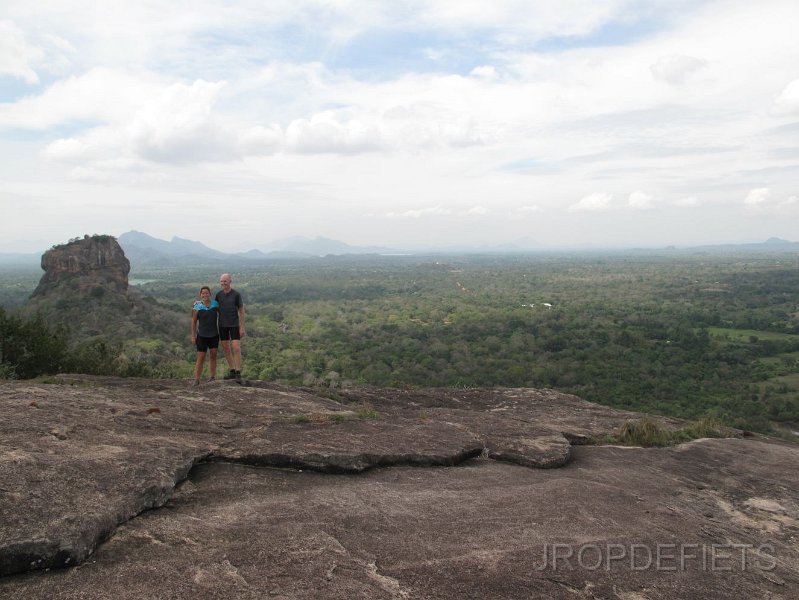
205, 332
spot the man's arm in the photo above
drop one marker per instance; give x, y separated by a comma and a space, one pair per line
241, 320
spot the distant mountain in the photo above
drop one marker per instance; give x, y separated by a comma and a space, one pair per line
321, 246
773, 243
145, 250
140, 247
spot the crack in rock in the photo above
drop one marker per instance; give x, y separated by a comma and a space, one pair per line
88, 458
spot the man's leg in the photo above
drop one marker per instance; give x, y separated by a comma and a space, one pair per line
228, 357
236, 351
228, 354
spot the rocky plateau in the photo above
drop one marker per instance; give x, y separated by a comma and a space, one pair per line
133, 488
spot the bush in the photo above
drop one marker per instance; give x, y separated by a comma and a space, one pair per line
29, 348
648, 433
644, 433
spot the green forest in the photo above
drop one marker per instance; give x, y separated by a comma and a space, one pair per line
688, 334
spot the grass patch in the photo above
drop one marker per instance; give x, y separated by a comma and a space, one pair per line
366, 412
648, 433
317, 418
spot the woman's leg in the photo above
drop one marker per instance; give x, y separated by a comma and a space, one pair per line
198, 366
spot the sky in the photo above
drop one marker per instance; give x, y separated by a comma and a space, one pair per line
596, 123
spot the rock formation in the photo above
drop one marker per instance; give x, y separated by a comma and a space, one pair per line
150, 489
84, 264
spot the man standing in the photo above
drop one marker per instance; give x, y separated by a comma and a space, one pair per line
231, 325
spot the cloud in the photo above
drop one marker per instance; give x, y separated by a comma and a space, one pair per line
17, 56
261, 140
529, 209
175, 125
788, 100
324, 132
688, 202
486, 72
676, 69
516, 18
596, 202
419, 213
178, 125
640, 200
477, 211
757, 197
100, 95
762, 200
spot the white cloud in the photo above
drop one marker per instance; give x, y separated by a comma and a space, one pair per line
599, 201
100, 95
261, 140
757, 197
688, 202
477, 211
640, 200
325, 133
486, 72
419, 213
529, 208
520, 18
788, 100
175, 125
17, 56
676, 69
178, 125
763, 200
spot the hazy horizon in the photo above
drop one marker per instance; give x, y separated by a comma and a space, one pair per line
602, 124
523, 245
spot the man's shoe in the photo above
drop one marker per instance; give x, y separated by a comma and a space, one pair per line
238, 376
211, 379
230, 375
196, 383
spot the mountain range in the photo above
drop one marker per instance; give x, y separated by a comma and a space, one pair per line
144, 250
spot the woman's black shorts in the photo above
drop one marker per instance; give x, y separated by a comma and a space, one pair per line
203, 343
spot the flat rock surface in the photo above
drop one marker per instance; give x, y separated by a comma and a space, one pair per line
389, 494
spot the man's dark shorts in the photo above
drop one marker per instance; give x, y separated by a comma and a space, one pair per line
229, 333
204, 343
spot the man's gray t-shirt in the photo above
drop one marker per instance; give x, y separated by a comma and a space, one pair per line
229, 305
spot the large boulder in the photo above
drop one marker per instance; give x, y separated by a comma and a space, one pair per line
84, 264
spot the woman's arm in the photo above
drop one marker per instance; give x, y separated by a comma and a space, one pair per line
193, 326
